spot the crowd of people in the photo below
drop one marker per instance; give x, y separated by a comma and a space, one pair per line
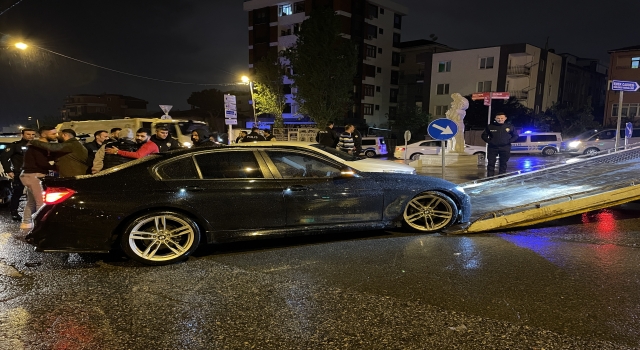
350, 141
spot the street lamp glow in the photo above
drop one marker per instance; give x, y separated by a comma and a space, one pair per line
244, 79
21, 46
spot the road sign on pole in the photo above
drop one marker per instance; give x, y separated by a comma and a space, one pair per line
442, 129
407, 137
230, 113
628, 132
621, 85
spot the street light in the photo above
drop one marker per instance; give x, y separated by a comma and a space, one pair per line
21, 46
245, 79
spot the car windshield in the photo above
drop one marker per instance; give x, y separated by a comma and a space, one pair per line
585, 135
335, 152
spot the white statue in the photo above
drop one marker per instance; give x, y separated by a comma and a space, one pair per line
456, 113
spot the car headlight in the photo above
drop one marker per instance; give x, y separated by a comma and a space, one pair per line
574, 144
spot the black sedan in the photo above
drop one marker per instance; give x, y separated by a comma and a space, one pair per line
160, 208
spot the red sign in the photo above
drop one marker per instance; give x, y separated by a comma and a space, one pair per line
487, 101
479, 96
500, 95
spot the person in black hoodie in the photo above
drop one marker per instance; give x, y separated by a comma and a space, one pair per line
164, 141
200, 138
498, 135
254, 136
328, 136
104, 160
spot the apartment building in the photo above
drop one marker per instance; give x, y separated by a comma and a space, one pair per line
624, 64
583, 81
416, 58
375, 25
527, 72
115, 106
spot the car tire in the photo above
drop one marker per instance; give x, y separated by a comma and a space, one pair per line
429, 212
548, 151
479, 152
415, 156
591, 150
370, 154
160, 238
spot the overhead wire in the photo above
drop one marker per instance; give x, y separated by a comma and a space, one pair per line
10, 7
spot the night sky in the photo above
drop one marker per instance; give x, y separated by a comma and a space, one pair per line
205, 42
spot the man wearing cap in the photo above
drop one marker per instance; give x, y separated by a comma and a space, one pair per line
71, 157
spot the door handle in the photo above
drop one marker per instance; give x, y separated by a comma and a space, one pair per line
194, 188
297, 188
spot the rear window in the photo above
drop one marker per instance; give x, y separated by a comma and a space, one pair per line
228, 165
543, 138
368, 142
521, 139
178, 170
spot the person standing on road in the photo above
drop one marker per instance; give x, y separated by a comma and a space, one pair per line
12, 160
254, 136
163, 140
200, 138
357, 140
328, 137
114, 134
498, 135
268, 135
346, 143
142, 138
99, 138
36, 165
241, 136
72, 159
104, 160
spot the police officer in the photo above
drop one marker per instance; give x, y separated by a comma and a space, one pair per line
163, 140
498, 135
254, 136
12, 160
328, 137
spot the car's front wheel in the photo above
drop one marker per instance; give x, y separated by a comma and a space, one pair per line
370, 154
430, 212
160, 238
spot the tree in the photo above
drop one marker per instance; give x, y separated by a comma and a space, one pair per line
413, 119
324, 65
476, 117
573, 120
211, 101
269, 87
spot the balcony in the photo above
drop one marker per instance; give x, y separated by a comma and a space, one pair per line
518, 71
519, 95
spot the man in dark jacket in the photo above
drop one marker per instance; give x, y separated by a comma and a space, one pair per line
357, 141
104, 160
163, 140
99, 138
498, 135
328, 136
12, 160
200, 138
254, 136
268, 136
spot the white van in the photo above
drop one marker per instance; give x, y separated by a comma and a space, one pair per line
178, 129
545, 143
594, 141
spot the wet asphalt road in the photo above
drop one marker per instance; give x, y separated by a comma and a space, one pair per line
570, 284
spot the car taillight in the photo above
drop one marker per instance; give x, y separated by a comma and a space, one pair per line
57, 195
400, 148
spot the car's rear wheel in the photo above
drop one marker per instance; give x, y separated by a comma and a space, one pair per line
415, 156
591, 150
370, 154
430, 212
160, 238
548, 151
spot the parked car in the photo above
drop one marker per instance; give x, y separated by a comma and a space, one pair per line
166, 205
416, 149
373, 146
594, 141
545, 143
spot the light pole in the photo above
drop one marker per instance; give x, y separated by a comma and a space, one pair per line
246, 80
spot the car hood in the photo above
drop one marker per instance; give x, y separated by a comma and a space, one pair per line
380, 166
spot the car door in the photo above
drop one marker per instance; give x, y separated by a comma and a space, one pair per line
316, 193
232, 189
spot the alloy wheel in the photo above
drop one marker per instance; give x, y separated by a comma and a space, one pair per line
161, 238
430, 212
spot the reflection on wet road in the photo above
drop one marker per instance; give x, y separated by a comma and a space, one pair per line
569, 284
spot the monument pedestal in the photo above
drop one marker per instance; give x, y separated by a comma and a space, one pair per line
450, 160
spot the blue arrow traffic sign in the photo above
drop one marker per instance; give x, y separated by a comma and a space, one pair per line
628, 130
621, 85
442, 129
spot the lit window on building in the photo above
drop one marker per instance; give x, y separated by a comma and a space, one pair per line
635, 62
286, 10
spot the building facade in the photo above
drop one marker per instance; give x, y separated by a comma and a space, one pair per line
624, 64
528, 73
374, 25
115, 106
583, 81
416, 58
